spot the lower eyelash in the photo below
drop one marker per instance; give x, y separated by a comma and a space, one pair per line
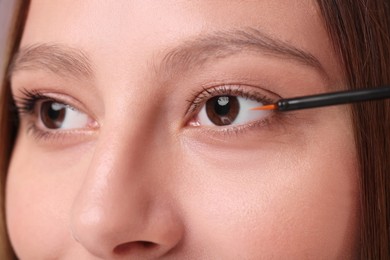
277, 123
38, 133
49, 136
237, 130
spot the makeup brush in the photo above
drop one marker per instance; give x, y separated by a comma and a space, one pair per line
328, 99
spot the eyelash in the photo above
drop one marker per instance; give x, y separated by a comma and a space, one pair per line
200, 98
27, 103
25, 106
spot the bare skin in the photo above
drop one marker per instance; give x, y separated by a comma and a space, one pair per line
138, 173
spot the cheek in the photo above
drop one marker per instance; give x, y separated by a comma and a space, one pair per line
301, 199
284, 199
37, 211
35, 220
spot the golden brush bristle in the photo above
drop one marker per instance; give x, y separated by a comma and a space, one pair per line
266, 107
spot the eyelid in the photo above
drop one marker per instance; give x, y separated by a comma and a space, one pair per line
247, 91
26, 103
42, 95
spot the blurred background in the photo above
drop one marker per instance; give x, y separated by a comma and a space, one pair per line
6, 7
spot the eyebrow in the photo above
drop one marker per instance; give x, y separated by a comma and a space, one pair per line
73, 62
196, 52
59, 59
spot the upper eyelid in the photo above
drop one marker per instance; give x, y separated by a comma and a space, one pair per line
68, 100
32, 125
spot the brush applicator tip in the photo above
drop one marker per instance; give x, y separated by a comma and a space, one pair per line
266, 107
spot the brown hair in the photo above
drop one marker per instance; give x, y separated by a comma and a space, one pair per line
8, 126
360, 32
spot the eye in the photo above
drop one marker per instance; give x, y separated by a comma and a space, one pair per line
228, 110
55, 115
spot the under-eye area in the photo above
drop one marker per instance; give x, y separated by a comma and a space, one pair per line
128, 130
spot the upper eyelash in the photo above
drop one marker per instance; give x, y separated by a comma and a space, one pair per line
199, 98
27, 103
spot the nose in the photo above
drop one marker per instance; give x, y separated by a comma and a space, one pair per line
122, 209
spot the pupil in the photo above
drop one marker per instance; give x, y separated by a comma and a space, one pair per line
52, 114
222, 106
222, 110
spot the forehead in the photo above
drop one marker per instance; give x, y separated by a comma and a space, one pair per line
146, 28
144, 21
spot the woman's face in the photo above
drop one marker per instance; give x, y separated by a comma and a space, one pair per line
136, 138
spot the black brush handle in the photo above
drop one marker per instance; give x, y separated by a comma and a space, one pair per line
335, 98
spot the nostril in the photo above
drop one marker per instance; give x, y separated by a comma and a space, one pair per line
147, 244
136, 245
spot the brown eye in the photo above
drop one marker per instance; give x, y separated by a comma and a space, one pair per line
227, 110
222, 110
52, 114
55, 115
